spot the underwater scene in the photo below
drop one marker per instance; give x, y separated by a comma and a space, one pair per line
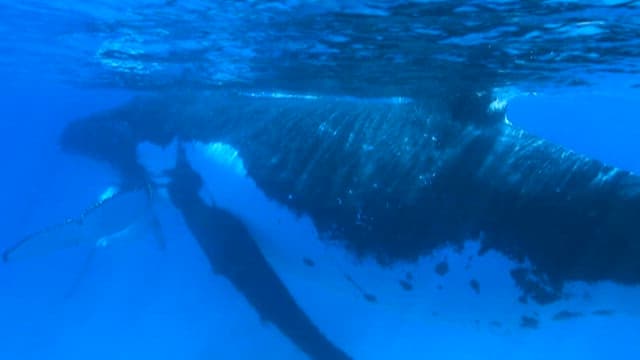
339, 179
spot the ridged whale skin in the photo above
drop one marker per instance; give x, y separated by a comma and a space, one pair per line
399, 179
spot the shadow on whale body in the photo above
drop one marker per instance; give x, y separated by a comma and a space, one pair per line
399, 180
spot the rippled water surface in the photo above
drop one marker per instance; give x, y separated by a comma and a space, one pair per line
355, 47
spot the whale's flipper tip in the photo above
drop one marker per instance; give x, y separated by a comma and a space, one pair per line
46, 241
115, 216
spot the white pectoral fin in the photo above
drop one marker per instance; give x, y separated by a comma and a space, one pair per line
62, 236
119, 216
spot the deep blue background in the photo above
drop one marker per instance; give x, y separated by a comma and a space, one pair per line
604, 127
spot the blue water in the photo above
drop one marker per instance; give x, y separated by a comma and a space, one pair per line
137, 301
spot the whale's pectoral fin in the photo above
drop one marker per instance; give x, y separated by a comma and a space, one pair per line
123, 215
61, 236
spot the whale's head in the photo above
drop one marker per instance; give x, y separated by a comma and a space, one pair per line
108, 137
112, 136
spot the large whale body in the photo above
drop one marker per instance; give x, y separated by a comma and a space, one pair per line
397, 179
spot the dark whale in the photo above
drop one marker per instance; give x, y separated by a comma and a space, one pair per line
399, 179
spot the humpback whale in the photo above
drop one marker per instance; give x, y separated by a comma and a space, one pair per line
396, 179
